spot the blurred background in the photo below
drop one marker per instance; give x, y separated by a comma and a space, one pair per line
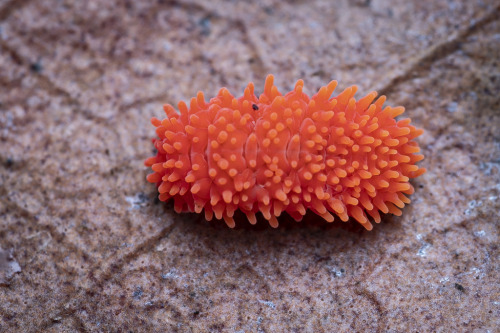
85, 246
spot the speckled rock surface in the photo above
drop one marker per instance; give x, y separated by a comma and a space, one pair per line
96, 252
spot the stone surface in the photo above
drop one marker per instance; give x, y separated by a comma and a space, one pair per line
96, 251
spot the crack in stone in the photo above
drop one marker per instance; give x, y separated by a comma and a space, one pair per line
382, 320
114, 266
438, 51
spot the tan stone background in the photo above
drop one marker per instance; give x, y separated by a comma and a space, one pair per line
85, 245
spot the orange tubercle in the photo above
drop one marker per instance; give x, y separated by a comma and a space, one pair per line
286, 153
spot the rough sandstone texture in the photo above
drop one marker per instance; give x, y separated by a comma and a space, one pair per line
85, 245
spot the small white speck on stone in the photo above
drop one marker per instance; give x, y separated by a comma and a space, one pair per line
137, 201
452, 107
170, 275
487, 167
167, 46
422, 252
338, 272
480, 233
445, 279
268, 303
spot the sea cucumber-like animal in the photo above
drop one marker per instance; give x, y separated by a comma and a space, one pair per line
285, 153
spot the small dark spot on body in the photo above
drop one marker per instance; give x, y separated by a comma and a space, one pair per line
255, 107
459, 287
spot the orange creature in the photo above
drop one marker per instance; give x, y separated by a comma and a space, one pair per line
286, 153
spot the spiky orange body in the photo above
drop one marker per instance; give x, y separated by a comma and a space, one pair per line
287, 153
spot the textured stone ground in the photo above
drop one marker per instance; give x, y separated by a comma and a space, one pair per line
86, 247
